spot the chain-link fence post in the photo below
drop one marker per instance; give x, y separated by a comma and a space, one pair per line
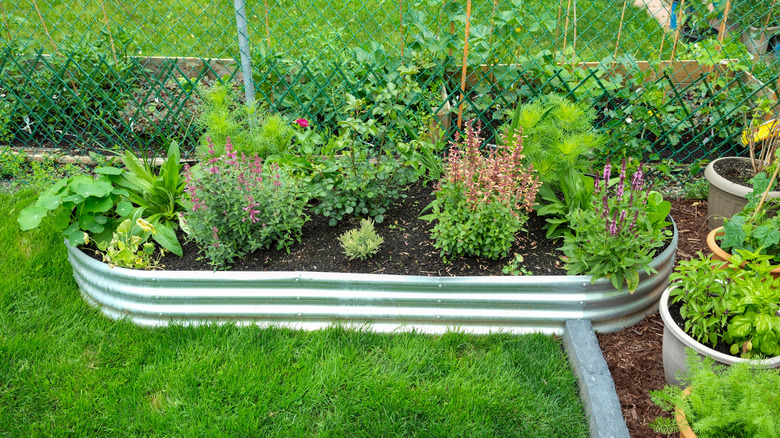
243, 48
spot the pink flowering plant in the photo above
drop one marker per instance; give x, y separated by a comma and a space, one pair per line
619, 232
482, 201
241, 204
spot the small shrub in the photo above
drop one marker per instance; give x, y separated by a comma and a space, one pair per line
251, 129
239, 205
558, 135
482, 201
697, 189
361, 243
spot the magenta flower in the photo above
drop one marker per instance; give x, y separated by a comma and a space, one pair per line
303, 123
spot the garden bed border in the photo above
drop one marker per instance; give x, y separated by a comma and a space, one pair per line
312, 300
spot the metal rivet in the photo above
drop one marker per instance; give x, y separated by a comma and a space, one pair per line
438, 301
438, 317
439, 284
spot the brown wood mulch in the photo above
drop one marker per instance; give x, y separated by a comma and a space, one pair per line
634, 354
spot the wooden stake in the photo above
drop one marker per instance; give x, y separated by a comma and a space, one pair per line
108, 27
45, 29
620, 28
267, 28
5, 21
401, 15
452, 33
677, 32
557, 21
667, 26
267, 46
566, 28
766, 23
723, 21
574, 41
464, 70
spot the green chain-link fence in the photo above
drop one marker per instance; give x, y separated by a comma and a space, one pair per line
80, 76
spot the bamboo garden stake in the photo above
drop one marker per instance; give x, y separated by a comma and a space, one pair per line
465, 64
620, 28
108, 27
45, 29
566, 27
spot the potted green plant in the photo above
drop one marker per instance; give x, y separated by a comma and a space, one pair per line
697, 19
759, 18
753, 231
720, 401
721, 311
729, 177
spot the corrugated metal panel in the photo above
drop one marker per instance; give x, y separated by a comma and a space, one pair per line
387, 302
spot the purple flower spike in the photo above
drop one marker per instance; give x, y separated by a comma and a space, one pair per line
638, 180
607, 172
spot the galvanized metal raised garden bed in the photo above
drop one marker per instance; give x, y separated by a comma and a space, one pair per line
311, 300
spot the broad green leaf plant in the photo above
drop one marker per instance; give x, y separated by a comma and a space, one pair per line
753, 229
728, 303
158, 195
82, 207
88, 208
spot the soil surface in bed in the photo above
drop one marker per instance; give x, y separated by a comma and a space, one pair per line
407, 248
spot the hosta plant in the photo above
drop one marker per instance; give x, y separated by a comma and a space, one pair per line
157, 193
618, 232
240, 204
482, 201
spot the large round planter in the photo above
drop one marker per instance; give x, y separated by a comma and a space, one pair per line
756, 39
720, 254
675, 341
311, 300
725, 198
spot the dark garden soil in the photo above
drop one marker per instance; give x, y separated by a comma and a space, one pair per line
736, 171
634, 354
407, 249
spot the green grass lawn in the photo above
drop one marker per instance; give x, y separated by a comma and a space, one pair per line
67, 370
190, 28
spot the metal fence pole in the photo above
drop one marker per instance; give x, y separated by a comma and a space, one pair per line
243, 47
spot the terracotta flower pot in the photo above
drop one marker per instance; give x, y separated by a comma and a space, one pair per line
682, 422
719, 254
